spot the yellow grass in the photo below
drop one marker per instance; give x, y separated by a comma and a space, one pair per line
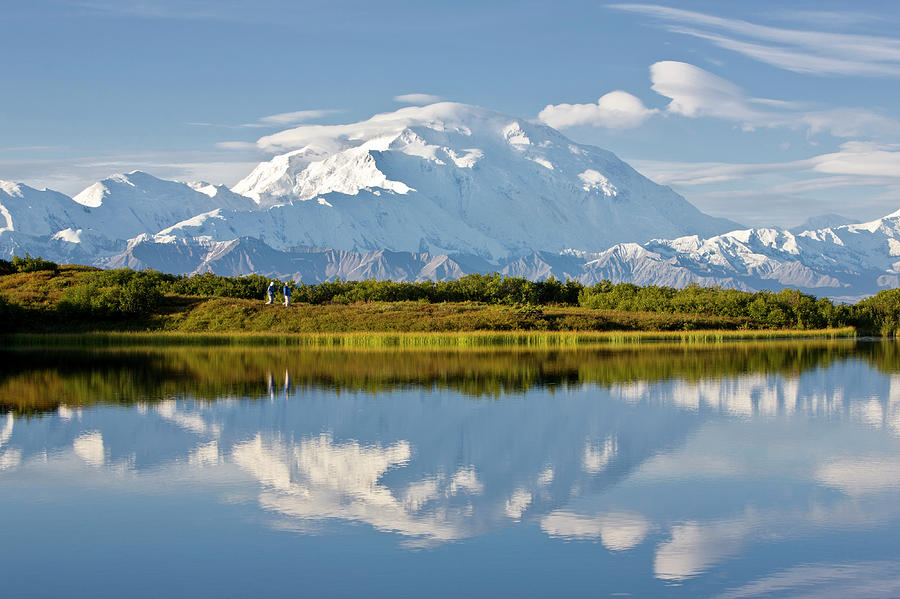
469, 339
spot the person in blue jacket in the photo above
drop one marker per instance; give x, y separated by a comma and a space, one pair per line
270, 293
287, 295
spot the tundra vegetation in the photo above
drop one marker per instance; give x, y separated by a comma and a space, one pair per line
38, 296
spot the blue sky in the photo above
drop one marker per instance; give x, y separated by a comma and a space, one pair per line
765, 112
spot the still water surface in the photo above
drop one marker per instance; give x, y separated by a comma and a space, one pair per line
744, 470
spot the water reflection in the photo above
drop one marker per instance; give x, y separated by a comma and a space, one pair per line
737, 470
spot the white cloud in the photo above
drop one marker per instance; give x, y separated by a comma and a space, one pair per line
298, 116
863, 176
698, 93
705, 173
828, 18
860, 159
801, 51
615, 110
417, 99
332, 138
274, 120
849, 122
695, 93
236, 145
878, 164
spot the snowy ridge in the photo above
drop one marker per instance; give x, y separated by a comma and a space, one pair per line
436, 192
846, 262
36, 212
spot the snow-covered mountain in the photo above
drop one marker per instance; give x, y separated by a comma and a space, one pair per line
119, 207
823, 221
36, 211
436, 192
124, 206
843, 262
450, 178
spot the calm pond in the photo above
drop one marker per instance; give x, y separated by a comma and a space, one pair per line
755, 469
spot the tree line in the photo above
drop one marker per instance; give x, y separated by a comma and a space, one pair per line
125, 292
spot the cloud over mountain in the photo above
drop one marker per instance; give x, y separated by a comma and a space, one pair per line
615, 110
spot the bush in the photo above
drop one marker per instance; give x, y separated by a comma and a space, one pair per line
90, 299
29, 264
210, 285
114, 294
139, 295
879, 314
787, 308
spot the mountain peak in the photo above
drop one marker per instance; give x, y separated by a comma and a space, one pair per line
454, 178
448, 117
442, 133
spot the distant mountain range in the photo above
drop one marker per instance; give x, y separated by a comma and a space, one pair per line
436, 192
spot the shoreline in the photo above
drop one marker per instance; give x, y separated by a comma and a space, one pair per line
415, 340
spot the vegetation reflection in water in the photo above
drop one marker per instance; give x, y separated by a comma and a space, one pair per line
672, 469
34, 379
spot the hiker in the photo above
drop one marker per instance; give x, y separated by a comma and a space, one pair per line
287, 295
270, 292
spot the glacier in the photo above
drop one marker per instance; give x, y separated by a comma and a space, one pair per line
436, 192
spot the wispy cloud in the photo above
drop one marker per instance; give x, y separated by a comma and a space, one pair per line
282, 119
801, 51
861, 177
828, 18
615, 110
417, 99
855, 163
292, 118
698, 93
236, 145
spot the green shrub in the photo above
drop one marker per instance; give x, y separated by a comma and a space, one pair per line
879, 314
139, 295
113, 295
787, 308
29, 264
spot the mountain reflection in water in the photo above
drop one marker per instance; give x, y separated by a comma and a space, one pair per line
748, 469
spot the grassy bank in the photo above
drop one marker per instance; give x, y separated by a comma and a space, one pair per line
77, 300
